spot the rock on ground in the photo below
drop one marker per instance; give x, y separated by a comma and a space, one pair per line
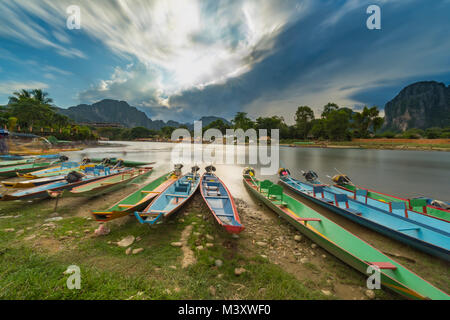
126, 242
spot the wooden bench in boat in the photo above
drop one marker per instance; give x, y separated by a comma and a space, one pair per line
177, 195
150, 192
354, 211
216, 197
306, 220
126, 205
383, 265
409, 229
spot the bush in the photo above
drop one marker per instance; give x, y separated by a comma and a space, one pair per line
388, 134
433, 133
413, 134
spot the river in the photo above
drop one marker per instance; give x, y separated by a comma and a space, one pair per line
397, 172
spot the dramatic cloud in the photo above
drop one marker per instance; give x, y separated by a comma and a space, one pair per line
181, 59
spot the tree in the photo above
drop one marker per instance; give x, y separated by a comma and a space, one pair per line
367, 122
303, 117
167, 131
218, 124
241, 121
41, 96
19, 95
330, 106
337, 124
318, 129
12, 123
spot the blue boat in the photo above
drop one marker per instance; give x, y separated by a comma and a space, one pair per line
220, 202
419, 231
171, 199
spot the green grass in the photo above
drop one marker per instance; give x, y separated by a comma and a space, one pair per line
34, 269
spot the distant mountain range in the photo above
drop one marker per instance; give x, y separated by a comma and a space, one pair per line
114, 111
420, 105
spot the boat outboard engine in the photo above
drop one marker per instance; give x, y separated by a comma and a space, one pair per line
195, 169
85, 161
249, 171
118, 164
440, 204
74, 176
282, 172
341, 179
63, 158
311, 176
106, 161
210, 169
177, 169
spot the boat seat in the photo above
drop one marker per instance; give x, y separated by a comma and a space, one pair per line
409, 229
354, 211
216, 197
126, 205
224, 215
176, 195
383, 265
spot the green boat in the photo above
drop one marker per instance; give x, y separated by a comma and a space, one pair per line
421, 205
12, 171
136, 201
110, 184
125, 163
15, 162
339, 242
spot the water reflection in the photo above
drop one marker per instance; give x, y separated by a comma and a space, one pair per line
403, 173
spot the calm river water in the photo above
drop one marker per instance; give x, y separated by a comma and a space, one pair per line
402, 173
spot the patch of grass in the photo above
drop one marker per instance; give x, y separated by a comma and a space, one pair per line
108, 273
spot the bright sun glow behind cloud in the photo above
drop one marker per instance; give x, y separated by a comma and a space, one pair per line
181, 43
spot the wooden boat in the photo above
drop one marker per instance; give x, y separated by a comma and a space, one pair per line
64, 168
171, 199
220, 202
422, 205
136, 201
42, 192
126, 163
12, 171
419, 231
10, 157
32, 183
9, 163
341, 243
110, 183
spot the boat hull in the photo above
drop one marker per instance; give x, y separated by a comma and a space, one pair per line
137, 201
388, 278
401, 237
223, 209
168, 202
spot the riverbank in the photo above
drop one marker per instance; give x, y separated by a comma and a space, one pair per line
382, 144
189, 257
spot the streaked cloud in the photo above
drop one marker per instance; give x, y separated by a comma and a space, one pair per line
8, 87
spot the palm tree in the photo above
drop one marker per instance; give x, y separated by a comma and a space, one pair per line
20, 95
41, 96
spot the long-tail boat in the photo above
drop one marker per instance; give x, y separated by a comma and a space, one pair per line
61, 169
339, 242
136, 201
417, 230
220, 201
111, 183
171, 199
126, 163
9, 163
423, 205
72, 180
32, 183
12, 171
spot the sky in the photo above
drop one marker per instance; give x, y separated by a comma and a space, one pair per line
180, 60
